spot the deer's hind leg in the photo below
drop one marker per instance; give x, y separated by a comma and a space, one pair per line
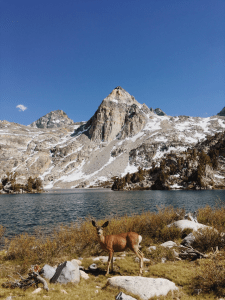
112, 262
140, 255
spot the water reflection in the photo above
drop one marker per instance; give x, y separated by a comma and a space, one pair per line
24, 213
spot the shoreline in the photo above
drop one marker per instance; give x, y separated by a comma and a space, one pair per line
100, 189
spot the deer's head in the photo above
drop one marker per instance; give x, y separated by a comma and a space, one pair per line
100, 228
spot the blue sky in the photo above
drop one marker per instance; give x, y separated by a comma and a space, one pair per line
71, 54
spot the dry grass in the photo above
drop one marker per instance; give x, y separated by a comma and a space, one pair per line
80, 240
211, 275
213, 216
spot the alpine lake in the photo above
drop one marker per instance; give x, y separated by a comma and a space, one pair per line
27, 212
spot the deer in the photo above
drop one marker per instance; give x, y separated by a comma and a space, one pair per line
118, 243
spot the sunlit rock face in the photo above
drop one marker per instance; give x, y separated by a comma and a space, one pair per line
121, 136
118, 115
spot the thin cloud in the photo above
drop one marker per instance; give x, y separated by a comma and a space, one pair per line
21, 107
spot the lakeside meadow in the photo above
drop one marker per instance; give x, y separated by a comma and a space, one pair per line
79, 239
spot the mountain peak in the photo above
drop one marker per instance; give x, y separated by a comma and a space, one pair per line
222, 112
53, 119
119, 95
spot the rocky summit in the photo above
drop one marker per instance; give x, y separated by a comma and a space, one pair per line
222, 112
57, 118
120, 137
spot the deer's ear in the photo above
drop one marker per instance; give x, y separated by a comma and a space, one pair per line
105, 224
93, 223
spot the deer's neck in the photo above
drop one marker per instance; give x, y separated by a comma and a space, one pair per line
102, 239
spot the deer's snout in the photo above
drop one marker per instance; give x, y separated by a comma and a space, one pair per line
99, 231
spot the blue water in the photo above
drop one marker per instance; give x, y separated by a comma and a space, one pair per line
26, 212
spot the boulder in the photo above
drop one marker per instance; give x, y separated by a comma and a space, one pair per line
70, 273
65, 272
183, 224
48, 271
143, 287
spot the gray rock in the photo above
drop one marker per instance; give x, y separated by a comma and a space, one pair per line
93, 267
64, 273
159, 112
169, 244
188, 240
122, 296
70, 273
143, 287
222, 112
48, 271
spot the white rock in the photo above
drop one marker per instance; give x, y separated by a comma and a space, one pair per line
76, 261
169, 244
104, 259
151, 248
144, 259
70, 273
182, 224
36, 291
144, 287
84, 275
67, 272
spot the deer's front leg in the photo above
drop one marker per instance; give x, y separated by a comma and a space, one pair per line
109, 260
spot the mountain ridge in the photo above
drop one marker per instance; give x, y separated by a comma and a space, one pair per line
120, 137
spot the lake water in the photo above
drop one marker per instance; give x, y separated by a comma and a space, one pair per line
26, 212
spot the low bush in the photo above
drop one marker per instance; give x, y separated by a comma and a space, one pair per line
211, 277
169, 234
207, 239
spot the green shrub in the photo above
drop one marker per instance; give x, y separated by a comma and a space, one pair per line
169, 233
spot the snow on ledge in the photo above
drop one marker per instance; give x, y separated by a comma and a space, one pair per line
176, 186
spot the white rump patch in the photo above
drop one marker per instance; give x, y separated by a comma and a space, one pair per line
139, 239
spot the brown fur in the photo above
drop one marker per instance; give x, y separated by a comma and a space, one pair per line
118, 243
